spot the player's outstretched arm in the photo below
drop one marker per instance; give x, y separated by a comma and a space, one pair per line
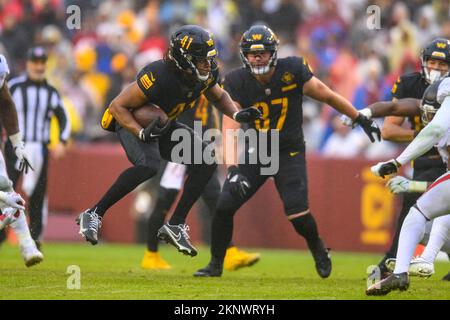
425, 140
131, 97
408, 107
222, 101
430, 135
316, 89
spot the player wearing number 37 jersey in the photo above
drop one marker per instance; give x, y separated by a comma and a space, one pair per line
275, 87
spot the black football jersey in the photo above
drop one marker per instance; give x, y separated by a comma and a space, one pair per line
203, 112
280, 101
411, 85
167, 88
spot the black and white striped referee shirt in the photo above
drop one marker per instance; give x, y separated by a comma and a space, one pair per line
36, 103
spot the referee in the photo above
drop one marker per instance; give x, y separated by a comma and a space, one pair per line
36, 102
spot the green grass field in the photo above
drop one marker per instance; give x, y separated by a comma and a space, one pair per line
112, 272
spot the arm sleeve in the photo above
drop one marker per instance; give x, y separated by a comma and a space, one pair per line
398, 89
62, 116
430, 135
149, 82
306, 71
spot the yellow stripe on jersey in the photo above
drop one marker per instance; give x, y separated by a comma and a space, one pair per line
287, 88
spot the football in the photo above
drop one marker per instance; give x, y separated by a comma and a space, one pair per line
147, 113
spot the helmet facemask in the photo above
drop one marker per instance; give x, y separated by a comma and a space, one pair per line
260, 69
427, 112
433, 75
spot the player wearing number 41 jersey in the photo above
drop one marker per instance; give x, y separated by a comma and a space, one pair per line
275, 87
173, 84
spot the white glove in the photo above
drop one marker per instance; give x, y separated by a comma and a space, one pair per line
22, 164
400, 184
382, 169
12, 200
346, 121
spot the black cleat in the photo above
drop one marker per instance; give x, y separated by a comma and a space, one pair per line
447, 277
89, 222
398, 281
322, 258
380, 272
211, 270
178, 237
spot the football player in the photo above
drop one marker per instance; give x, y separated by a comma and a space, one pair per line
170, 185
435, 59
435, 202
436, 235
11, 204
174, 83
276, 87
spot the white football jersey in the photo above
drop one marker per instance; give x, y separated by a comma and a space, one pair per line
4, 70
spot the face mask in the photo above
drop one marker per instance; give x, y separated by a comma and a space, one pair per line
434, 76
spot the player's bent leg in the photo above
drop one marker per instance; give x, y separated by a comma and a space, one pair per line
432, 204
166, 198
30, 253
305, 225
221, 232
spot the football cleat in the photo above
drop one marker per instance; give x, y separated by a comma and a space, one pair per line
31, 255
236, 259
8, 216
178, 237
322, 258
153, 261
393, 282
446, 277
211, 270
417, 268
89, 222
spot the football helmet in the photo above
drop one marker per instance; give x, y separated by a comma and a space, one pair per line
429, 105
438, 49
190, 44
259, 38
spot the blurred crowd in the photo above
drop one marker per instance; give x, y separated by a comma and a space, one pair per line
91, 64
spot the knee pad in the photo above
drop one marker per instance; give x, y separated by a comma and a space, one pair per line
6, 184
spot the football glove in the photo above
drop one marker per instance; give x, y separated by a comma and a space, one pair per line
400, 184
347, 121
153, 130
12, 200
369, 127
23, 163
247, 115
382, 169
238, 183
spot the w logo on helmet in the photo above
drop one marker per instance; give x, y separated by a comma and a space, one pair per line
256, 36
441, 45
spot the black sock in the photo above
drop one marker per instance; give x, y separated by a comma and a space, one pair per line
195, 183
166, 198
306, 227
125, 183
222, 232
